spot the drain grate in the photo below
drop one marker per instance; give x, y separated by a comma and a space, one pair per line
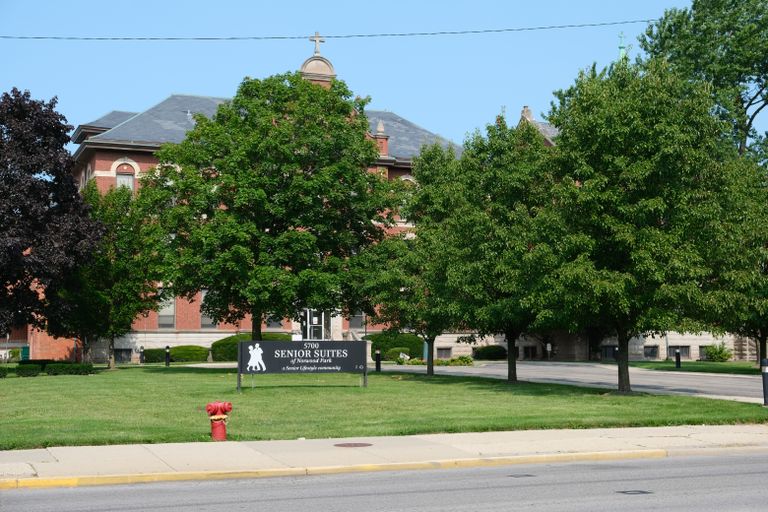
634, 492
521, 475
353, 445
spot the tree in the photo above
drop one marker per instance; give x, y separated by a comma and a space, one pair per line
724, 42
268, 201
639, 169
44, 225
498, 253
403, 279
103, 297
736, 289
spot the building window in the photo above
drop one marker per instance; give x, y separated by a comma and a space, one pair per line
357, 321
206, 322
651, 352
609, 352
444, 353
274, 323
530, 352
166, 316
685, 351
125, 180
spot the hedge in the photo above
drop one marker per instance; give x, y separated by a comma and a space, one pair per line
226, 349
387, 340
490, 353
456, 361
28, 370
3, 372
393, 354
69, 368
42, 363
154, 355
188, 354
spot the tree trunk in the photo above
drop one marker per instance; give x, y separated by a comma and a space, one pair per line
430, 356
623, 362
256, 315
511, 336
112, 353
761, 345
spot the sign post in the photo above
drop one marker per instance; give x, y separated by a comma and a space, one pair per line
256, 357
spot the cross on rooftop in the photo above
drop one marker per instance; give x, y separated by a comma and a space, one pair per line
317, 39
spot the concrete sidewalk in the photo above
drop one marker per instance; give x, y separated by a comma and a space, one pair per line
121, 464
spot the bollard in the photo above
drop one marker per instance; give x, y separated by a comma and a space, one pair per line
217, 412
764, 371
167, 355
378, 360
677, 358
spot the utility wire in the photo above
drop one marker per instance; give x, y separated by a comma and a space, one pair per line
336, 36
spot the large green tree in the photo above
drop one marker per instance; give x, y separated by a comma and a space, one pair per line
503, 251
639, 166
45, 230
267, 201
724, 42
102, 298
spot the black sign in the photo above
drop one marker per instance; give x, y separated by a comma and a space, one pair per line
302, 357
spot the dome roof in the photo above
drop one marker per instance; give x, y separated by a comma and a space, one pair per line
317, 67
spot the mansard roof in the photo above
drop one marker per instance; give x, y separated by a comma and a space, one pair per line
172, 118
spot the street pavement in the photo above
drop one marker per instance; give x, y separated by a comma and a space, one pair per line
744, 388
124, 464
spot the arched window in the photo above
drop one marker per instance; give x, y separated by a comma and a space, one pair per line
125, 175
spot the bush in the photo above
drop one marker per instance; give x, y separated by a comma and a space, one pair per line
28, 370
69, 368
393, 354
456, 361
14, 354
188, 354
154, 355
226, 349
490, 353
717, 353
387, 340
42, 363
3, 372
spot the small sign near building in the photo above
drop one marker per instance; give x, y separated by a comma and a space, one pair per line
256, 357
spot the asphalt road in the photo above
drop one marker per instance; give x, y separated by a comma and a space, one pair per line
727, 483
606, 376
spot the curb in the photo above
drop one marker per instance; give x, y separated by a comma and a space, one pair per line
82, 481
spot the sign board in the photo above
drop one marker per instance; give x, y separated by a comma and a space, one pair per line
257, 357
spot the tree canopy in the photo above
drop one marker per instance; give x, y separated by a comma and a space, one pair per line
267, 201
640, 169
105, 294
724, 42
45, 231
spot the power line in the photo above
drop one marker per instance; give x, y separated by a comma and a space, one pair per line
335, 36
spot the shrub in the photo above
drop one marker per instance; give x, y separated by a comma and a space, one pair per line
14, 354
69, 368
226, 349
456, 361
387, 340
154, 355
393, 354
3, 372
188, 353
42, 363
717, 353
28, 370
490, 353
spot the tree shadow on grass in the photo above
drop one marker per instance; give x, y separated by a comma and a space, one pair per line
520, 388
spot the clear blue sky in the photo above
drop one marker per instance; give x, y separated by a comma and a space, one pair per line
450, 85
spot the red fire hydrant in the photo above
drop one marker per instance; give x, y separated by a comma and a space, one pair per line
217, 412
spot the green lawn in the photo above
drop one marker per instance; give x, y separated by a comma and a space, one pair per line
157, 404
735, 367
